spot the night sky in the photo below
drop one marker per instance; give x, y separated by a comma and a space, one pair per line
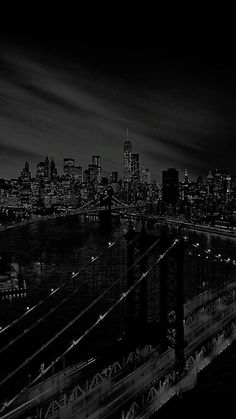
68, 98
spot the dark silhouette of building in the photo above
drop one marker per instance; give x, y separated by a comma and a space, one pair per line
25, 174
46, 169
40, 169
53, 170
114, 177
170, 186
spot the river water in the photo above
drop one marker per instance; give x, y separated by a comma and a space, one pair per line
48, 252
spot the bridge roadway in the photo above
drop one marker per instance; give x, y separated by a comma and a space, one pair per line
107, 397
194, 226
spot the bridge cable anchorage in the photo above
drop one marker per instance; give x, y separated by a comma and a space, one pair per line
66, 327
65, 300
29, 359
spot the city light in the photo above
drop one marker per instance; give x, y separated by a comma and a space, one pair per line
137, 283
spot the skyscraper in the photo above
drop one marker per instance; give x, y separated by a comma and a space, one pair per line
77, 173
145, 175
114, 177
46, 169
68, 164
96, 161
170, 186
25, 174
135, 166
127, 171
40, 169
53, 170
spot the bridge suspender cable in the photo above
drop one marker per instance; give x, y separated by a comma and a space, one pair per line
16, 321
106, 313
10, 375
29, 311
65, 300
86, 204
67, 326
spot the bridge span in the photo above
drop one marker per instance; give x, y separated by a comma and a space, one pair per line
165, 319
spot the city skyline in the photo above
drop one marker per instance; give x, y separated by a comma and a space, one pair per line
179, 106
105, 173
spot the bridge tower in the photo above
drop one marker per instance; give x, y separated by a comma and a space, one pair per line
105, 218
172, 286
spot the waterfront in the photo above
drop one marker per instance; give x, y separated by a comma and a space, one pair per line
62, 246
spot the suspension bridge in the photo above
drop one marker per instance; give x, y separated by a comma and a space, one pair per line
121, 336
105, 205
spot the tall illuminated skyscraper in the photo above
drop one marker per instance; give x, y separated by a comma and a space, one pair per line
68, 165
96, 161
127, 159
135, 166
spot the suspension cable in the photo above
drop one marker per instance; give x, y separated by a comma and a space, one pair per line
10, 375
74, 275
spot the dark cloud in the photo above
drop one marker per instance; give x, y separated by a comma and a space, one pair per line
77, 99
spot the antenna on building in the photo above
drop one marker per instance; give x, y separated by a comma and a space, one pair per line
127, 133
